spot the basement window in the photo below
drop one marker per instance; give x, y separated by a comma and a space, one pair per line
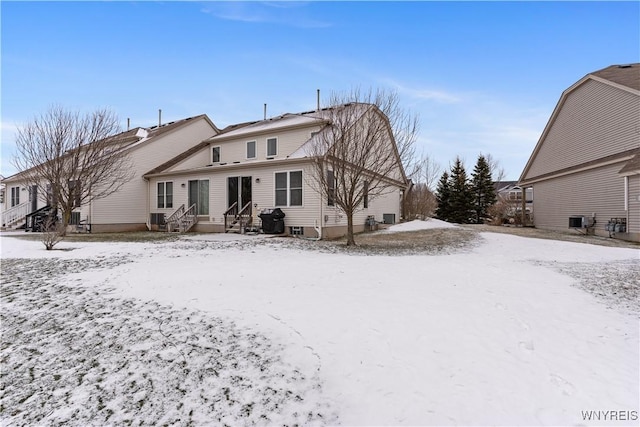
296, 231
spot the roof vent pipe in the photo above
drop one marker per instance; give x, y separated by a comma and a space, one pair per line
265, 111
128, 123
318, 100
159, 118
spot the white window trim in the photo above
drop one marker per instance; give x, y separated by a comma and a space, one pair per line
365, 195
15, 196
219, 154
164, 195
331, 205
288, 205
255, 150
199, 179
266, 147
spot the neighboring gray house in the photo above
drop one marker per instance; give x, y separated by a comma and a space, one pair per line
585, 168
510, 193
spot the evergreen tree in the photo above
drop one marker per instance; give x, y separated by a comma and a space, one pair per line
461, 197
483, 192
443, 197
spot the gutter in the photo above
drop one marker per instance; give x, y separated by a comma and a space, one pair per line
228, 166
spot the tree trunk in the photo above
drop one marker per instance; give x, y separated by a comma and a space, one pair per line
350, 240
66, 219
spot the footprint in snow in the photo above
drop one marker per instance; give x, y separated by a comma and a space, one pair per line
565, 386
526, 346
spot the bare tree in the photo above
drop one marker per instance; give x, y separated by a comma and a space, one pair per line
72, 158
420, 201
52, 232
497, 171
361, 153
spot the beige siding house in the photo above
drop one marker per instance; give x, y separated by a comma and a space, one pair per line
260, 166
126, 210
189, 175
585, 168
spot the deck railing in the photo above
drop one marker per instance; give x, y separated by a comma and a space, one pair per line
172, 220
188, 219
16, 214
229, 216
237, 220
182, 219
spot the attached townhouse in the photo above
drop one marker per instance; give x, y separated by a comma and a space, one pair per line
125, 210
190, 175
246, 169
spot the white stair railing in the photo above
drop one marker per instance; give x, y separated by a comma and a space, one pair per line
182, 219
188, 219
15, 214
172, 220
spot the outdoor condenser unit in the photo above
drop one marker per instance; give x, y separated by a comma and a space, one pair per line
577, 222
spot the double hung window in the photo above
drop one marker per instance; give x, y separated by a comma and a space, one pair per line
15, 196
288, 189
331, 189
251, 150
272, 147
165, 195
215, 155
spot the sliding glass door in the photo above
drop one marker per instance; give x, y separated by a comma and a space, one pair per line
199, 194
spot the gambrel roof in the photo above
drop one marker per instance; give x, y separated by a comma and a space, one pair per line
273, 124
287, 121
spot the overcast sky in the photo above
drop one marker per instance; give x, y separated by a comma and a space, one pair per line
483, 77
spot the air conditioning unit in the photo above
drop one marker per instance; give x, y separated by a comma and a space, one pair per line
577, 222
389, 218
157, 218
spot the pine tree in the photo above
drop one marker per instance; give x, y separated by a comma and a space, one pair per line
483, 192
461, 201
443, 197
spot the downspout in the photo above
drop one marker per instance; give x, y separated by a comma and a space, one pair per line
626, 199
524, 205
90, 211
321, 219
319, 228
148, 212
315, 225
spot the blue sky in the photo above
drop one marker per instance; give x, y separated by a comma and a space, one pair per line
481, 76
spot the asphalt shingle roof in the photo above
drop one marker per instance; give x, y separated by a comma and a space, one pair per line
626, 75
632, 165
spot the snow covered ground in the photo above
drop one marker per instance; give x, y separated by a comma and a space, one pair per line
430, 224
251, 330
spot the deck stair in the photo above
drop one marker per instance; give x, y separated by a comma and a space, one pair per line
182, 220
42, 218
15, 217
237, 221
